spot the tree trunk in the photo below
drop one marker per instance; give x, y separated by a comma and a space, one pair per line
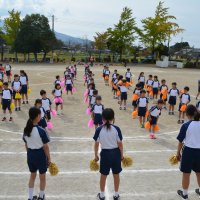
28, 60
24, 57
35, 56
16, 57
44, 57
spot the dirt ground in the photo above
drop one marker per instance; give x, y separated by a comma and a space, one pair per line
150, 178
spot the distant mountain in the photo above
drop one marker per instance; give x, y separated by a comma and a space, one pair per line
69, 39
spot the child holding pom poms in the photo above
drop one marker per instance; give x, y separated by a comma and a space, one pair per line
57, 93
38, 156
189, 137
110, 138
163, 92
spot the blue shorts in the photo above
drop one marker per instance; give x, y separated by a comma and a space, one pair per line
8, 73
128, 79
153, 120
155, 91
142, 111
134, 103
98, 119
124, 96
190, 160
24, 89
37, 161
43, 123
172, 100
6, 104
69, 87
110, 159
48, 114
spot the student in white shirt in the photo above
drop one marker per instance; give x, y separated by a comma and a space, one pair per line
188, 151
156, 87
173, 93
25, 85
141, 80
38, 155
57, 93
124, 95
69, 85
8, 71
128, 75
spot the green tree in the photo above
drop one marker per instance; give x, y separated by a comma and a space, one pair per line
122, 36
11, 28
158, 29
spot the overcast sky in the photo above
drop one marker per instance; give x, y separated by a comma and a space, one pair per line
82, 18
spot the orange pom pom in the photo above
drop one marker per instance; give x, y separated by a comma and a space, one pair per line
156, 128
164, 91
134, 114
159, 92
149, 89
183, 108
135, 97
151, 93
118, 93
128, 84
147, 125
145, 86
106, 78
164, 96
147, 114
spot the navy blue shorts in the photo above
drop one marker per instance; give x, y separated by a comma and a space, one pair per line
6, 104
110, 159
172, 100
199, 89
48, 114
134, 103
8, 73
142, 85
69, 87
98, 119
190, 160
153, 120
124, 96
37, 161
24, 89
43, 123
128, 79
155, 91
142, 111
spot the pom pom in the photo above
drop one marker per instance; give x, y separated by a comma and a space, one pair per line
118, 93
145, 86
86, 93
56, 100
60, 100
128, 84
173, 160
29, 91
106, 78
62, 83
164, 96
183, 108
88, 111
147, 114
164, 91
74, 90
134, 114
53, 169
18, 95
91, 123
64, 90
49, 125
1, 84
12, 106
94, 166
147, 125
156, 128
151, 93
53, 113
135, 97
127, 161
86, 101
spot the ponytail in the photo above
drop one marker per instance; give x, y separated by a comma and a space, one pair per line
29, 127
107, 124
108, 115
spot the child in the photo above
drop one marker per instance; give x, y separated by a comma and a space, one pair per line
38, 156
93, 98
154, 114
1, 73
149, 83
110, 138
184, 100
104, 70
124, 96
128, 75
8, 71
141, 80
90, 90
46, 104
97, 110
57, 80
173, 93
75, 72
24, 81
136, 91
57, 93
69, 84
142, 106
107, 74
163, 94
198, 90
155, 86
42, 122
189, 145
115, 87
16, 87
114, 76
6, 101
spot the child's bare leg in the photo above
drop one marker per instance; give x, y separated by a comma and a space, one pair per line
116, 182
186, 181
102, 182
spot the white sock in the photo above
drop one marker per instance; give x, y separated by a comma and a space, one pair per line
42, 194
185, 192
30, 193
116, 194
102, 194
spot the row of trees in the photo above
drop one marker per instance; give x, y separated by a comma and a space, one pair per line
29, 35
154, 33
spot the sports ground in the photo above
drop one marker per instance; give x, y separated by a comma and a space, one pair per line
150, 178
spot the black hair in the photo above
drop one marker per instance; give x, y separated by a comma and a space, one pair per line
150, 75
143, 91
23, 72
128, 69
138, 85
141, 73
42, 92
156, 77
95, 92
163, 80
38, 101
174, 83
57, 77
93, 86
186, 88
107, 116
124, 80
5, 83
160, 101
56, 85
98, 98
33, 113
120, 77
16, 75
192, 111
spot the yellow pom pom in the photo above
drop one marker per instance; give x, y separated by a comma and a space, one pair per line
94, 166
173, 160
53, 169
1, 84
12, 106
127, 161
29, 90
18, 95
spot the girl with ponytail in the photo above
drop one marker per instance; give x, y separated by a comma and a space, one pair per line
110, 138
189, 150
38, 156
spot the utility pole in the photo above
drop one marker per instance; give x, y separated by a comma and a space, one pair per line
53, 19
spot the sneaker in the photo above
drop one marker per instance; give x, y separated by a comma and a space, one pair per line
23, 102
11, 119
40, 198
16, 109
182, 121
116, 198
34, 198
4, 119
124, 108
172, 113
179, 121
152, 136
197, 192
19, 109
180, 193
120, 108
27, 102
99, 197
